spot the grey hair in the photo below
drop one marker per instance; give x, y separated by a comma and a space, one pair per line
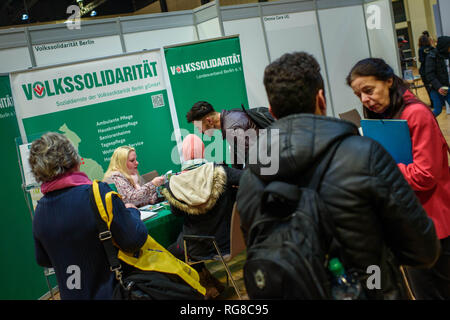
51, 156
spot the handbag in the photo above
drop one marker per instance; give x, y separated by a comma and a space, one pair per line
156, 275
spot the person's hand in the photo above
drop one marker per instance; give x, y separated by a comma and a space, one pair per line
443, 91
158, 181
130, 205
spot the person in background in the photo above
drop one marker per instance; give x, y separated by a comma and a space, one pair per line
204, 194
436, 73
65, 231
377, 218
401, 44
425, 48
229, 122
385, 96
123, 172
432, 41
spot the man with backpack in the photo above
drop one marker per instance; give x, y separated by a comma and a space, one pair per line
336, 195
239, 127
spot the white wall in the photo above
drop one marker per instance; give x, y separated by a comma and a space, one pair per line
148, 40
76, 50
254, 57
296, 32
381, 37
14, 59
293, 32
345, 43
209, 29
444, 7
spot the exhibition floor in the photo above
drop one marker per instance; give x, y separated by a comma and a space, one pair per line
217, 269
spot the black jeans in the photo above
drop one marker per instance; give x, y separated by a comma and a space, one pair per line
433, 283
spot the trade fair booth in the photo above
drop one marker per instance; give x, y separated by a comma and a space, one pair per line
130, 81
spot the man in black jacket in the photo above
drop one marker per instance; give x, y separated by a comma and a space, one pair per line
236, 127
377, 217
436, 72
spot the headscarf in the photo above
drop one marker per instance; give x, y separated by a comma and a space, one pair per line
193, 148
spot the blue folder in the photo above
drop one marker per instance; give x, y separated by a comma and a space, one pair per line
393, 135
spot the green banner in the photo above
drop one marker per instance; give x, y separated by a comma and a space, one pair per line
98, 129
101, 105
206, 71
22, 278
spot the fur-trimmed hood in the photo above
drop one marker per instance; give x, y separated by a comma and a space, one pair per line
196, 191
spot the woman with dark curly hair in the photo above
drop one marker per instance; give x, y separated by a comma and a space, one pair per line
385, 96
64, 226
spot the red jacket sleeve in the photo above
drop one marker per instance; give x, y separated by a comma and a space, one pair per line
426, 148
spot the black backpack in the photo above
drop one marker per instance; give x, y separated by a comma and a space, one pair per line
290, 241
260, 116
150, 285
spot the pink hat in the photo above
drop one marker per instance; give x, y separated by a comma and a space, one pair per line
193, 148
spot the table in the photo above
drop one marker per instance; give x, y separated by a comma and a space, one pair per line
164, 227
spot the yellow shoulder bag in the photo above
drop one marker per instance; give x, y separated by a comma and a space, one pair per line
152, 256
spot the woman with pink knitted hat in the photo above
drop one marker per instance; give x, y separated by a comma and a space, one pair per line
204, 194
193, 150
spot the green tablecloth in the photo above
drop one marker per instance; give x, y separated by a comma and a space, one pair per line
165, 227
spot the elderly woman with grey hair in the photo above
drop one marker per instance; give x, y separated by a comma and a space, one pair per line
64, 226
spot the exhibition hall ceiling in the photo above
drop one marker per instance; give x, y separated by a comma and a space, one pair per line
23, 12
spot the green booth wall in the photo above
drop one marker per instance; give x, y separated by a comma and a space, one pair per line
22, 278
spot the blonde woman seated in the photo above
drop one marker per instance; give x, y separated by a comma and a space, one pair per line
122, 171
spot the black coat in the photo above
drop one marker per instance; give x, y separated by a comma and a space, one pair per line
423, 53
211, 219
436, 71
379, 221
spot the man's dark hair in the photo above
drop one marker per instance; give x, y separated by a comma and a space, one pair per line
198, 111
292, 83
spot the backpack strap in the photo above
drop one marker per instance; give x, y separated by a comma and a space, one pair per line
262, 119
280, 194
103, 227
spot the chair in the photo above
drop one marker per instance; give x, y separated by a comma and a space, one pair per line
237, 245
414, 84
149, 176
